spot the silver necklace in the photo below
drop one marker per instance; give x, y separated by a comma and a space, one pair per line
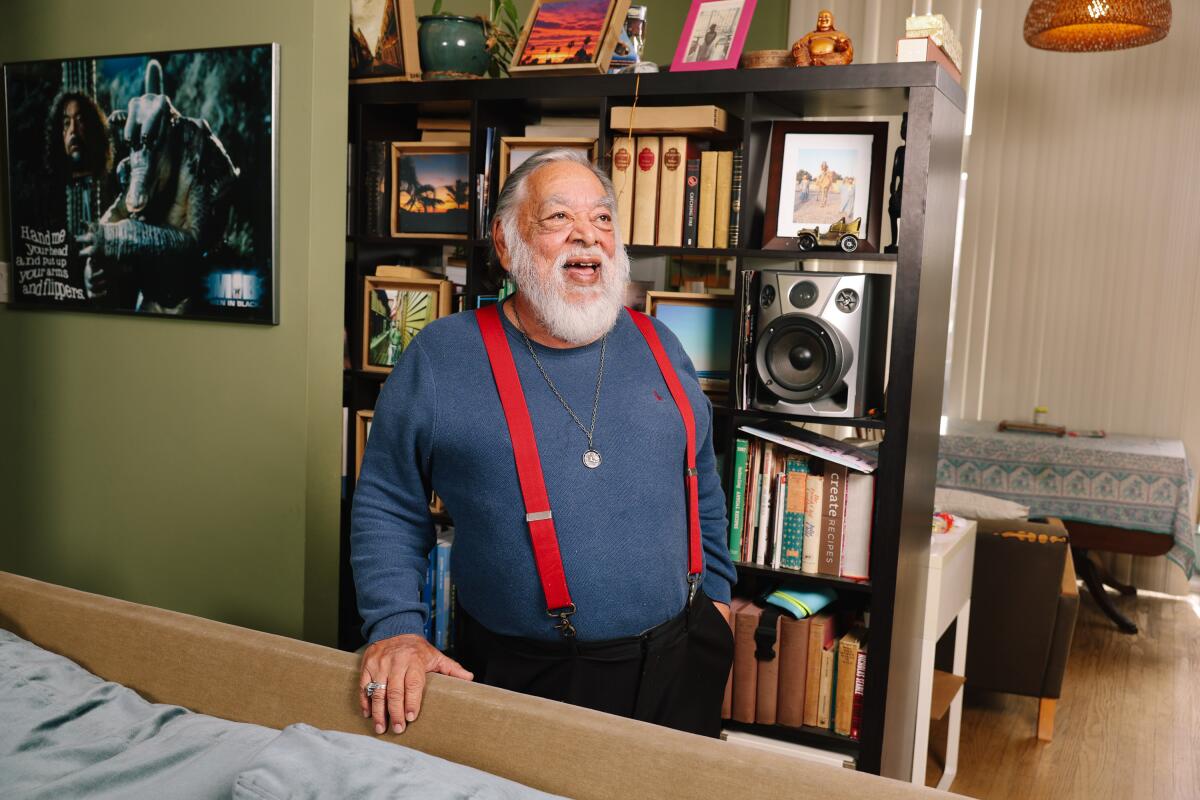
591, 457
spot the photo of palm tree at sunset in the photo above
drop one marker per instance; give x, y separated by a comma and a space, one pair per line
432, 194
565, 32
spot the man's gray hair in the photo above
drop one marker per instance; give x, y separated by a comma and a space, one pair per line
513, 193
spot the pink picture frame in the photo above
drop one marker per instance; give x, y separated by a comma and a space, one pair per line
713, 35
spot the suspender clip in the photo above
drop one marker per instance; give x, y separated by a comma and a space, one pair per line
693, 580
563, 626
691, 472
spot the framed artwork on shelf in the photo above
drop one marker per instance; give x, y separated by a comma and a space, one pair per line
514, 150
821, 173
431, 194
704, 324
146, 183
394, 311
362, 430
572, 36
713, 35
383, 41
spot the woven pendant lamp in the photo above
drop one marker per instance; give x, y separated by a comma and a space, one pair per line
1093, 25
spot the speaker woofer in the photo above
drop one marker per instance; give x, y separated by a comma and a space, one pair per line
801, 357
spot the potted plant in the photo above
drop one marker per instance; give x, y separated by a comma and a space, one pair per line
454, 46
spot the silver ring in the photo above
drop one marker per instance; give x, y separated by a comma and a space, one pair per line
374, 687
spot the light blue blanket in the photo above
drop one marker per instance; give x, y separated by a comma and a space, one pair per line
67, 733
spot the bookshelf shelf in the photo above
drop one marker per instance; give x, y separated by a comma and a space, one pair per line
796, 576
806, 735
920, 284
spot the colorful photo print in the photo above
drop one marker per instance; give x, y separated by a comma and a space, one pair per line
565, 32
430, 190
704, 325
825, 178
394, 316
146, 183
375, 45
713, 33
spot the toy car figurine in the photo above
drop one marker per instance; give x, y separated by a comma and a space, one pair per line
841, 234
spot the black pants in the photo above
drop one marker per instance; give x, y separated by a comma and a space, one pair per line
673, 674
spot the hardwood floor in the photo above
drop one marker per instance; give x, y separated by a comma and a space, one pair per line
1128, 723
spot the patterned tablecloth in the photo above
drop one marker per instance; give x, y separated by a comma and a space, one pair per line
1123, 481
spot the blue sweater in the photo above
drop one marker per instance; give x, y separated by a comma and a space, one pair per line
622, 527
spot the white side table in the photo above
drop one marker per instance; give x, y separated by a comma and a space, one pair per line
948, 598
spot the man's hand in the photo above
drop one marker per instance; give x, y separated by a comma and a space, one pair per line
94, 281
401, 662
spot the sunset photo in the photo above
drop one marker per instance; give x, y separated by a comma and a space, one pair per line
565, 32
430, 193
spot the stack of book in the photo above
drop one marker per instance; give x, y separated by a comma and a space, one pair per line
813, 673
930, 38
676, 190
801, 501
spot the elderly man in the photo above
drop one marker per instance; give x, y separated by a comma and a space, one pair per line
571, 443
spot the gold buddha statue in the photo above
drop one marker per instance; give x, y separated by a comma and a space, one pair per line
823, 47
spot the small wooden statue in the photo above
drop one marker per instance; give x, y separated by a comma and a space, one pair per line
823, 47
895, 197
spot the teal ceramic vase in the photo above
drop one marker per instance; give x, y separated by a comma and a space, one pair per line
452, 47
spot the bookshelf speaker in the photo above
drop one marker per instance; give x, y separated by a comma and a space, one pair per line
821, 341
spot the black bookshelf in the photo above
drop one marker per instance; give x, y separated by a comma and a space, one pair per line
921, 273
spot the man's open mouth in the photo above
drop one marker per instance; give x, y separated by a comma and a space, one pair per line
583, 265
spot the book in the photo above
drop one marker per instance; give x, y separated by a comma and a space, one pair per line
452, 137
924, 49
691, 202
645, 188
408, 41
741, 454
814, 444
735, 605
764, 509
775, 554
745, 665
443, 124
706, 120
721, 201
567, 127
814, 490
753, 499
860, 684
844, 690
832, 518
708, 199
856, 533
623, 183
672, 182
376, 209
441, 638
820, 635
793, 670
427, 594
767, 689
791, 551
735, 196
826, 697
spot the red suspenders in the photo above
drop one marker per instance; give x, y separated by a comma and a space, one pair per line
546, 553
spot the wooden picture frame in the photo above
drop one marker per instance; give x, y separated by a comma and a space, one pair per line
527, 145
604, 19
391, 60
362, 430
421, 171
417, 301
849, 149
727, 20
704, 325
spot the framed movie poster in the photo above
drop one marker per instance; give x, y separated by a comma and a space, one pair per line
394, 311
146, 183
569, 36
821, 173
713, 35
515, 150
383, 41
431, 194
704, 325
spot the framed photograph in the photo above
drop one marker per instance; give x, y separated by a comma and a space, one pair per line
569, 36
362, 430
713, 35
431, 190
820, 173
515, 149
383, 41
704, 325
394, 311
94, 228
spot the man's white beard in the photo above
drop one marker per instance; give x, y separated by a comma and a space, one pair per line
576, 314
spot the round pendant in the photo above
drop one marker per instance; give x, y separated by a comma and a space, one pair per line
591, 459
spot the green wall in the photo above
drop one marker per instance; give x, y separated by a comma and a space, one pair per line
184, 464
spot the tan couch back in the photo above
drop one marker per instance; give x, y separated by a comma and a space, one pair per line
250, 676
